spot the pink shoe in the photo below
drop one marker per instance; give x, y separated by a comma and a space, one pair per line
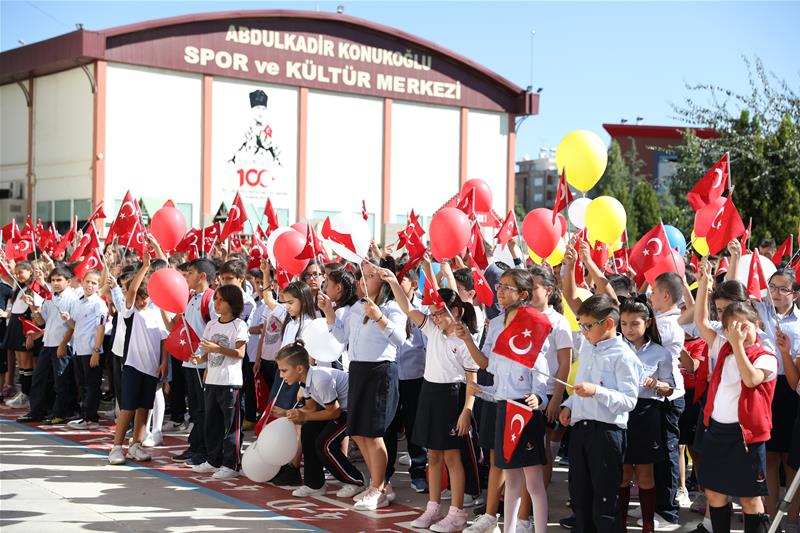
432, 514
456, 520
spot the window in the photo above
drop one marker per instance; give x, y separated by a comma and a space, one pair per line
538, 182
537, 197
63, 215
186, 209
44, 210
283, 216
82, 209
549, 179
549, 195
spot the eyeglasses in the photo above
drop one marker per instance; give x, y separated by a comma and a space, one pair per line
439, 313
586, 327
313, 275
503, 287
780, 290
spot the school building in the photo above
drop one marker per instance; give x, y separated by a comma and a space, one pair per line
317, 111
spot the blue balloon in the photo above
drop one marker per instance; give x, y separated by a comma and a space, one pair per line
676, 239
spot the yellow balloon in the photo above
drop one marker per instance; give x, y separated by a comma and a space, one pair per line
573, 372
616, 245
584, 156
583, 294
606, 219
700, 245
554, 258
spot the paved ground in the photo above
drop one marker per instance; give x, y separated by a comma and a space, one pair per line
56, 479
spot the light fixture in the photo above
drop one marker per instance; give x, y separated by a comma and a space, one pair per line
340, 9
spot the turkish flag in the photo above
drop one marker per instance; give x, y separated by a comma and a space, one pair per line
340, 238
29, 326
563, 195
258, 251
645, 253
40, 289
413, 230
756, 281
599, 255
783, 249
27, 229
727, 225
621, 263
97, 213
431, 296
310, 249
182, 341
210, 236
91, 261
723, 266
282, 277
482, 290
127, 217
11, 231
694, 264
465, 204
237, 215
191, 239
272, 217
530, 324
88, 242
20, 249
508, 229
711, 186
517, 417
364, 214
475, 246
67, 239
746, 237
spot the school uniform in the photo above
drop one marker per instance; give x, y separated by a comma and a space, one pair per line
88, 313
15, 338
223, 395
144, 334
560, 337
285, 396
118, 346
254, 320
373, 394
322, 440
698, 350
271, 343
738, 420
644, 436
6, 291
488, 415
597, 438
51, 367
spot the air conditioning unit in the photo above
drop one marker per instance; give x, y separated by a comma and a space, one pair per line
12, 209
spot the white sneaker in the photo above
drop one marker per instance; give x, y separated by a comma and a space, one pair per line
20, 401
13, 400
404, 459
153, 439
485, 523
446, 494
373, 499
524, 526
432, 514
225, 473
115, 456
682, 498
136, 453
83, 424
348, 491
170, 427
304, 491
389, 492
205, 468
469, 501
635, 512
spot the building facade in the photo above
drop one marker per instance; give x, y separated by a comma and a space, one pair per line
317, 111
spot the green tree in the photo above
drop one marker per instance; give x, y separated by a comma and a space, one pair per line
618, 181
761, 131
646, 208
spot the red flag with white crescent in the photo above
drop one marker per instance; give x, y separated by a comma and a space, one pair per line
340, 238
756, 281
563, 195
711, 185
517, 417
91, 261
237, 216
431, 295
182, 341
272, 217
727, 225
508, 229
783, 250
651, 247
88, 242
523, 338
482, 290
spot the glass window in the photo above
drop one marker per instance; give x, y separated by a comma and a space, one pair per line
82, 209
63, 215
537, 197
44, 210
283, 216
538, 182
186, 209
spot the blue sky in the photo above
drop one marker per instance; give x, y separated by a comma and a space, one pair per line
597, 62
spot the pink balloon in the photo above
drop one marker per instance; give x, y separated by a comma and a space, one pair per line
301, 227
287, 246
449, 232
168, 226
705, 217
666, 264
168, 290
483, 194
539, 232
563, 222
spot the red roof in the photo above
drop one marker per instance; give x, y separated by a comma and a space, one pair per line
668, 132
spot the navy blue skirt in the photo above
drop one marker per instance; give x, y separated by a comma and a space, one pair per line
372, 397
729, 466
645, 440
529, 450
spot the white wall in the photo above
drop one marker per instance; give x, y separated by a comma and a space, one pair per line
153, 136
62, 136
232, 118
345, 153
13, 134
425, 154
487, 154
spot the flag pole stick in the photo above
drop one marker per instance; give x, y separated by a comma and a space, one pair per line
11, 274
549, 376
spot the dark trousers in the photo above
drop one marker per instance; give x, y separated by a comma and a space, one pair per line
666, 473
193, 378
177, 392
116, 369
223, 426
50, 369
404, 418
89, 380
596, 452
249, 390
322, 447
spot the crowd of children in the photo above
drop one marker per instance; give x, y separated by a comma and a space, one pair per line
664, 376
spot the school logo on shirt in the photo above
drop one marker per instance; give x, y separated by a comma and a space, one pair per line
214, 358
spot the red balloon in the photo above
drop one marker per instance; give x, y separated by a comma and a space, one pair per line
539, 232
449, 232
168, 226
563, 222
666, 264
705, 217
168, 290
483, 194
301, 227
286, 248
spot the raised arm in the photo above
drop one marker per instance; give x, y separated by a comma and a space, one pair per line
569, 287
400, 296
136, 282
595, 274
701, 306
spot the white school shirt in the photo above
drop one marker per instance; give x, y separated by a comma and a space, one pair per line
480, 322
87, 313
326, 385
255, 319
194, 319
273, 334
726, 402
672, 338
224, 370
560, 337
446, 358
19, 307
144, 339
54, 327
118, 299
367, 342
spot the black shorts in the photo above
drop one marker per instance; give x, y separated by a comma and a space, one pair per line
439, 407
687, 423
372, 398
784, 412
15, 339
530, 448
728, 466
645, 440
138, 389
486, 425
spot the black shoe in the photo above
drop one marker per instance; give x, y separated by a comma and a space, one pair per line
183, 456
568, 522
288, 476
24, 419
700, 528
480, 510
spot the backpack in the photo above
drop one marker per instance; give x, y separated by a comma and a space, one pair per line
204, 301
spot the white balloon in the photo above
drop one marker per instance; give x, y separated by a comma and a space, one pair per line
274, 237
255, 468
355, 226
277, 442
744, 269
502, 254
320, 343
577, 212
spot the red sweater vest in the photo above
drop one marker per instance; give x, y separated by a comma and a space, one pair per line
755, 404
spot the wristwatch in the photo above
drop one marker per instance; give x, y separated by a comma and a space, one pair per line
95, 350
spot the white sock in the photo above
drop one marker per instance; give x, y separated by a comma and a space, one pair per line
707, 524
158, 411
